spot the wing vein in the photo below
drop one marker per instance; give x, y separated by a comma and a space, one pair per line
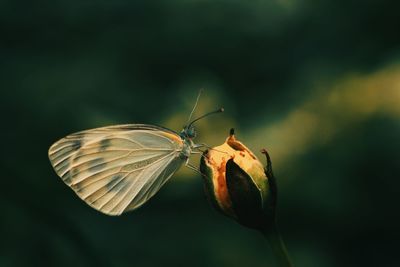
158, 136
128, 173
130, 188
105, 193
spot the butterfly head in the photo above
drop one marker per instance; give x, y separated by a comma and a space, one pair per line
189, 131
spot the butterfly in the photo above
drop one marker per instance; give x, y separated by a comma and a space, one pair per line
118, 168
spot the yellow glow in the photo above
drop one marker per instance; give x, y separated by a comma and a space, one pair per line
329, 112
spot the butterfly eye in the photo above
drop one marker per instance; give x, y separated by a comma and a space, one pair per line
191, 133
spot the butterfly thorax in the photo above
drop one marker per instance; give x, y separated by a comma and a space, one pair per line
187, 134
187, 148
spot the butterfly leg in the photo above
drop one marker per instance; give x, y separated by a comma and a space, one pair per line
190, 166
197, 146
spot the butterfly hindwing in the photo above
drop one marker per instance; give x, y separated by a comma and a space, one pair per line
118, 168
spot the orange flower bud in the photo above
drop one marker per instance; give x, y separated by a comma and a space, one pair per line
238, 185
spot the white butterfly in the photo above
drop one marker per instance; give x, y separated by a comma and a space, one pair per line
118, 168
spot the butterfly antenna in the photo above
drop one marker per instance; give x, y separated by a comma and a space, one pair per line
195, 105
205, 115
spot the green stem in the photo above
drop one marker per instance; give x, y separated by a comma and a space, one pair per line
271, 232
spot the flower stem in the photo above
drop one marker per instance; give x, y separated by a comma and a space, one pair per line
271, 232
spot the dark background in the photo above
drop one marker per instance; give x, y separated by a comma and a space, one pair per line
316, 82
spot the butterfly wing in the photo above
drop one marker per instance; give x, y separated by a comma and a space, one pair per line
118, 168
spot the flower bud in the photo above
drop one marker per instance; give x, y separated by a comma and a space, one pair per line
238, 185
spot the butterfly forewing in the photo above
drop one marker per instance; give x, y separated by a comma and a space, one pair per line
118, 168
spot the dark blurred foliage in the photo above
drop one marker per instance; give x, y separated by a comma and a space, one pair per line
72, 65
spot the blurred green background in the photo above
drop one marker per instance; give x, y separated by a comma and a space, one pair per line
317, 83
